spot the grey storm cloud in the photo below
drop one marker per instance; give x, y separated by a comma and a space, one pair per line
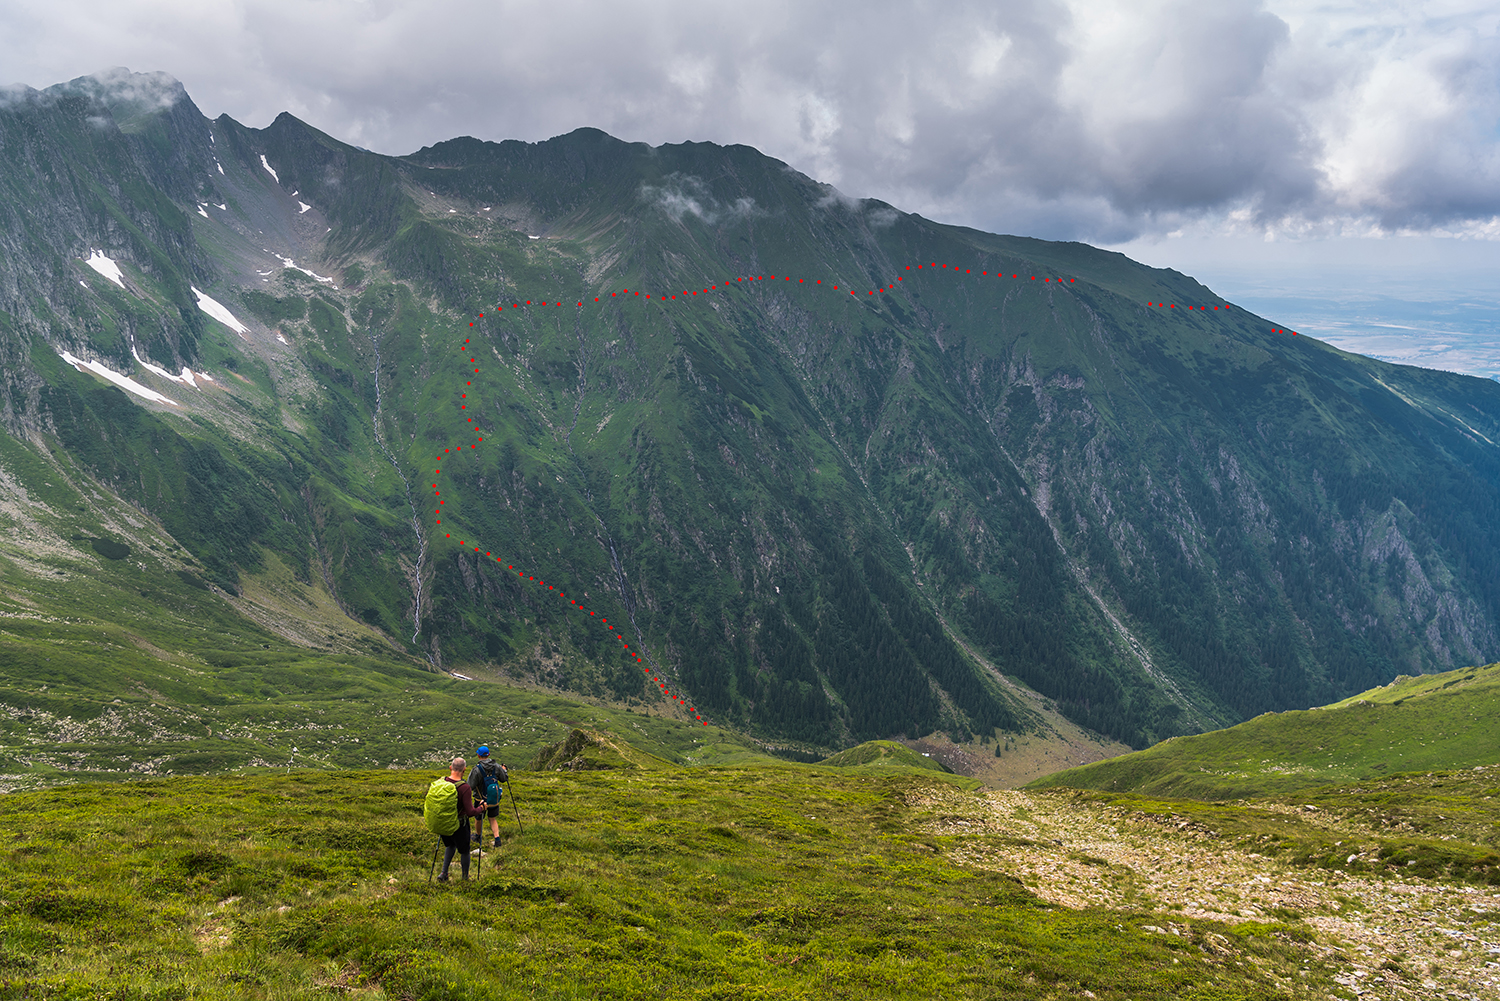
1061, 118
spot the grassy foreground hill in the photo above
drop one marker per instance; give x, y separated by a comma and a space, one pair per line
773, 882
1439, 721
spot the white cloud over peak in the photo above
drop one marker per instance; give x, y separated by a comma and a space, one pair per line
683, 194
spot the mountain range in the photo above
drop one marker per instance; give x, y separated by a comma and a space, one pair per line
834, 471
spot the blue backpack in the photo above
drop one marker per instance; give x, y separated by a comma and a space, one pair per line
492, 790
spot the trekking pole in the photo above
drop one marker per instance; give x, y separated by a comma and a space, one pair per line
513, 806
479, 824
433, 868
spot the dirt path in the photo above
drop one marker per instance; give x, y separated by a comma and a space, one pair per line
1388, 938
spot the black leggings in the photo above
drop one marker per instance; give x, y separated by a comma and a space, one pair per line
458, 841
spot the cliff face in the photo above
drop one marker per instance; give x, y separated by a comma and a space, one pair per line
824, 517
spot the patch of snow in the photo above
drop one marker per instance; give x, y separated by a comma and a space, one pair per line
201, 212
224, 207
269, 169
218, 312
106, 267
530, 237
205, 377
286, 262
304, 208
265, 272
296, 193
124, 382
219, 165
186, 377
83, 283
281, 339
451, 211
485, 209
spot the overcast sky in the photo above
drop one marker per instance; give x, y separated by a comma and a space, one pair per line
1224, 138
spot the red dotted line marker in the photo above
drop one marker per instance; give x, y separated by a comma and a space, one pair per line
573, 605
686, 295
1204, 309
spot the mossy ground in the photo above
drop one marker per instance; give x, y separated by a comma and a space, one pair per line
764, 882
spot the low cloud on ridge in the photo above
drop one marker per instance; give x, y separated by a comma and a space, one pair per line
1058, 118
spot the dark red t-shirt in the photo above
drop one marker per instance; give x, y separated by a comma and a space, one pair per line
466, 807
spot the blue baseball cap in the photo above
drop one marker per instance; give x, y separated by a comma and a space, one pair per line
483, 751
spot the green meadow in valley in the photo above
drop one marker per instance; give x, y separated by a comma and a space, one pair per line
766, 882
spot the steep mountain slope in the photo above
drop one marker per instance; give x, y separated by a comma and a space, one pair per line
825, 517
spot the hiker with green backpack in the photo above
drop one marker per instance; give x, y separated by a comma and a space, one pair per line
447, 810
487, 780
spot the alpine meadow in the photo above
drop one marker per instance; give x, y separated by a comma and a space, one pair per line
773, 528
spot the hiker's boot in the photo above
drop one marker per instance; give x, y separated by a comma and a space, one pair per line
496, 844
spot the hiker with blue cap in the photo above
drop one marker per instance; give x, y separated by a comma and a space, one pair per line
488, 778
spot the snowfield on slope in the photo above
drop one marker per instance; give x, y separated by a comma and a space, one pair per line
287, 262
186, 378
123, 381
216, 309
106, 267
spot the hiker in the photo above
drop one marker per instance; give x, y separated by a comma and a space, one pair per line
451, 823
485, 780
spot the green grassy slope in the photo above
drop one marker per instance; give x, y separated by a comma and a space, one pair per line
883, 754
1439, 721
115, 667
591, 750
769, 883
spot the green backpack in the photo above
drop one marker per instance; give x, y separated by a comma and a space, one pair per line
440, 811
